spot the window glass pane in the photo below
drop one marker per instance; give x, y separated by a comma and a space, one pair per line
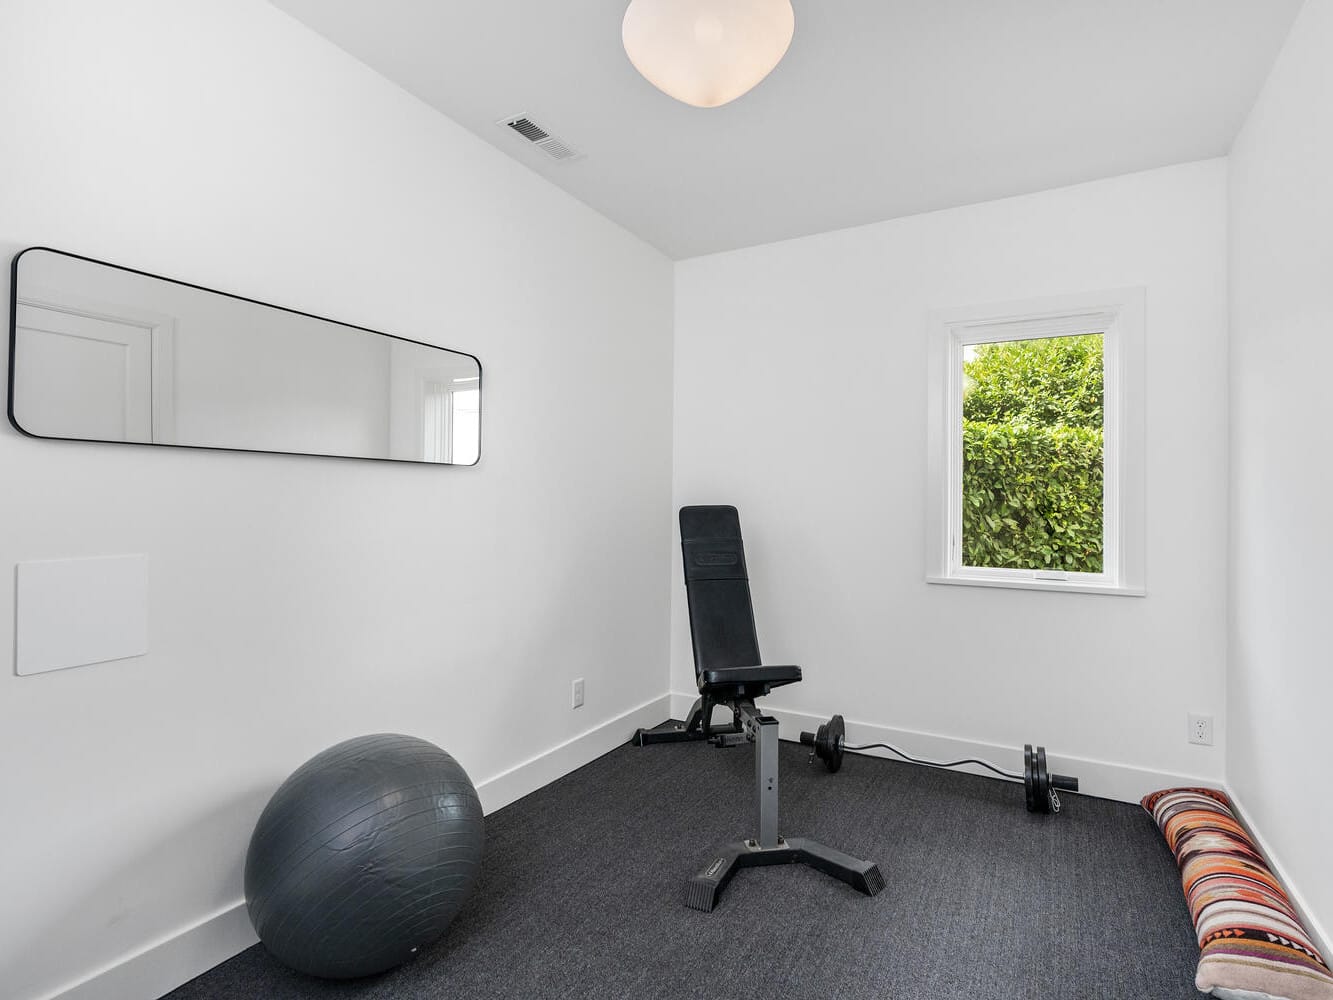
1032, 454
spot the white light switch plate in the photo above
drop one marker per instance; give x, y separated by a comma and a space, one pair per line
72, 612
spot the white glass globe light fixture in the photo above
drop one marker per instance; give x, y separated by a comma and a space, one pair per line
707, 52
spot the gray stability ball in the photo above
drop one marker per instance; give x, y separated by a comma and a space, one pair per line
363, 856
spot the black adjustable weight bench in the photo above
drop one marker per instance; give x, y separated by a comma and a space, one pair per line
727, 668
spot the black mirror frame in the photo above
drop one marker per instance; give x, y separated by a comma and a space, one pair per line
13, 345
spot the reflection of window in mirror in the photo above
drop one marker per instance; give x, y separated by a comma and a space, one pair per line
452, 412
434, 405
465, 422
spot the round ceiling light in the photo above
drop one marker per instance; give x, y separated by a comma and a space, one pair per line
707, 52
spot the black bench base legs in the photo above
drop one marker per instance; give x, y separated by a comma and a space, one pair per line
769, 847
697, 727
706, 887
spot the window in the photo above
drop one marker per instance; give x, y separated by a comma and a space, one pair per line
1036, 445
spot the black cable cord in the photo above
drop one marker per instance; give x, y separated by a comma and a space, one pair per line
934, 763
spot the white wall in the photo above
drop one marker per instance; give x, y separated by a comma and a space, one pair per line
800, 396
299, 601
1281, 673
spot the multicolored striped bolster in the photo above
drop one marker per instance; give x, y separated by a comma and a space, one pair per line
1251, 939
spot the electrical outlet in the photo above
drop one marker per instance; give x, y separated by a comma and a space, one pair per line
577, 700
1201, 730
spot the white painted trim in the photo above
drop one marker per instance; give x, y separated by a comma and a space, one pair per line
536, 772
176, 958
1119, 316
1321, 937
162, 965
170, 961
1059, 586
1101, 778
164, 383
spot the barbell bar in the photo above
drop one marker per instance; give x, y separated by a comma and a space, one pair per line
1041, 787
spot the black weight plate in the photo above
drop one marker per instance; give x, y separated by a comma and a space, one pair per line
837, 732
1043, 782
1029, 777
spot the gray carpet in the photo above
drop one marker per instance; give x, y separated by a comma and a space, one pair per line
582, 889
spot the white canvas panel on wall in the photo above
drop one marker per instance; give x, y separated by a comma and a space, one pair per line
73, 612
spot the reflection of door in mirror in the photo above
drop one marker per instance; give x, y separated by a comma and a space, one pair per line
94, 372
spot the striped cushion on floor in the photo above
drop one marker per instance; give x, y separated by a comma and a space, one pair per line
1251, 939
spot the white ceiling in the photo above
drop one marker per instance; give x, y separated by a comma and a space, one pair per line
882, 108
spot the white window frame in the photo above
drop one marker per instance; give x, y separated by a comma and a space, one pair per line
1118, 315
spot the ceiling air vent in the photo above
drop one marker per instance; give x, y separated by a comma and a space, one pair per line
556, 149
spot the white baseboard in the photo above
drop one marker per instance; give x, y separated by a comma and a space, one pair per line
162, 965
1104, 779
1321, 938
537, 772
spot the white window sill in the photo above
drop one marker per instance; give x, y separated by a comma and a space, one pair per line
1020, 583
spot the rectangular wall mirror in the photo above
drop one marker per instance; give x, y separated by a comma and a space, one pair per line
104, 353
